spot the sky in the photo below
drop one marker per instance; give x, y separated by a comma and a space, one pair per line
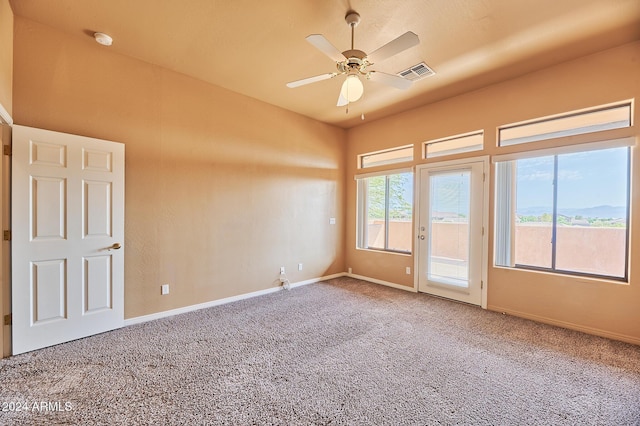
585, 179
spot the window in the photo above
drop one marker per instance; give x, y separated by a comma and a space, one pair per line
575, 123
565, 210
454, 145
385, 208
389, 156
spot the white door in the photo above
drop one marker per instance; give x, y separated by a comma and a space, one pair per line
452, 218
67, 231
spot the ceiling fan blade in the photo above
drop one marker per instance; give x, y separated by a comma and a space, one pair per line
394, 47
323, 45
342, 101
310, 80
390, 80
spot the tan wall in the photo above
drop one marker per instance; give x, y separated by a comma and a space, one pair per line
6, 55
589, 250
592, 250
450, 239
221, 189
592, 305
400, 234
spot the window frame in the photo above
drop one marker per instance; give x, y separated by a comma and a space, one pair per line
566, 132
361, 210
504, 223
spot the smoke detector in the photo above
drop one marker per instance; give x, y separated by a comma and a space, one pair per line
103, 39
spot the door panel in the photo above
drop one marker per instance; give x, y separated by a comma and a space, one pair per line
67, 213
49, 289
451, 246
98, 284
48, 223
97, 209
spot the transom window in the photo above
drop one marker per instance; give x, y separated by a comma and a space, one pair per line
454, 145
569, 124
388, 156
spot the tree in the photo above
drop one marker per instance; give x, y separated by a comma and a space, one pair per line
399, 206
546, 217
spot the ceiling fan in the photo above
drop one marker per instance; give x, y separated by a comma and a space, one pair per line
355, 63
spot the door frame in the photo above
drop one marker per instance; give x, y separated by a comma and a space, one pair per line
485, 217
6, 121
5, 245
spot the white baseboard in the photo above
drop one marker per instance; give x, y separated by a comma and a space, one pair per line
185, 309
565, 324
377, 281
315, 280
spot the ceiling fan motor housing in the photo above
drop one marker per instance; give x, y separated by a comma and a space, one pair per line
355, 62
352, 18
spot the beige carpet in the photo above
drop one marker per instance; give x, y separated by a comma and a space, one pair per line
345, 352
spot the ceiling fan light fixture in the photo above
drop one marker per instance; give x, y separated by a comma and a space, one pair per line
352, 88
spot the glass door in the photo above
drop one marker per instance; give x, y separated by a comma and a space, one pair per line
451, 243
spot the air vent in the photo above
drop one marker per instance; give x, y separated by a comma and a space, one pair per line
417, 72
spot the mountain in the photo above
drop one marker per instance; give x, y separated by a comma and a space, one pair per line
602, 212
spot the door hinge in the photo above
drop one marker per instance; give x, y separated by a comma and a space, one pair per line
6, 235
481, 284
483, 231
6, 149
8, 319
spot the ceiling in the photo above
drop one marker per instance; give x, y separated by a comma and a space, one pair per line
254, 47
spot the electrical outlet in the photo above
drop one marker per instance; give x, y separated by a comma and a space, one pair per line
332, 221
408, 270
299, 266
350, 270
164, 289
282, 269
